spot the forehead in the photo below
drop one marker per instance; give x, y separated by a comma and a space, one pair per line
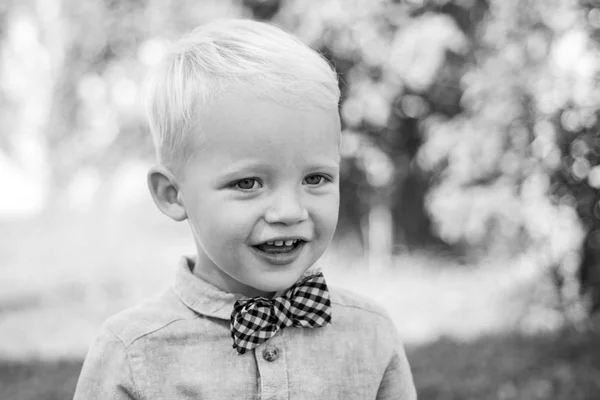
241, 126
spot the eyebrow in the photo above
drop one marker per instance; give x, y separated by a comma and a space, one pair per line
240, 166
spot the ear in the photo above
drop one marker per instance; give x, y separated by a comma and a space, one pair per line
165, 192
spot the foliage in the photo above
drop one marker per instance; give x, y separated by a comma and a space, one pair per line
473, 121
518, 162
484, 113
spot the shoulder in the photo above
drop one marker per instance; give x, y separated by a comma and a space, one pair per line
364, 326
349, 302
146, 318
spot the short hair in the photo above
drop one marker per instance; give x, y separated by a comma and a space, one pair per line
230, 54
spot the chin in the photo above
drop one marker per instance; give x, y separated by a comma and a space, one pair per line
274, 287
277, 285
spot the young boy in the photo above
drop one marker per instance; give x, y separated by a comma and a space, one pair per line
247, 131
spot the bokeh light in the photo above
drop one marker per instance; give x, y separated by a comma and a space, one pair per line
470, 181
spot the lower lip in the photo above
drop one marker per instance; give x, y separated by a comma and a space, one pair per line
280, 258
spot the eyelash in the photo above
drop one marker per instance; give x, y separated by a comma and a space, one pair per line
324, 179
235, 185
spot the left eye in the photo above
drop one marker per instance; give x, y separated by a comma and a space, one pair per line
247, 184
314, 179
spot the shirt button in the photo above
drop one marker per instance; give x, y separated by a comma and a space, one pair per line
270, 354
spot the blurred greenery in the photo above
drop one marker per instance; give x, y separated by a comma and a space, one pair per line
470, 143
470, 126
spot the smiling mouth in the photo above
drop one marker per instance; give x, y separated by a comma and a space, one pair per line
279, 246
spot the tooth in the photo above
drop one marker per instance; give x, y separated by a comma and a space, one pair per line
289, 242
270, 243
279, 243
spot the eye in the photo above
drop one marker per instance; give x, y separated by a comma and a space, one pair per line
315, 179
246, 184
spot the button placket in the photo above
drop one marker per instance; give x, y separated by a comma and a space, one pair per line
272, 368
271, 353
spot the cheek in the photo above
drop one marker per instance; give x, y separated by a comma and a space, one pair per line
230, 218
332, 219
326, 213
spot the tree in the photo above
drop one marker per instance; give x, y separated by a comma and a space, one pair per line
470, 124
516, 163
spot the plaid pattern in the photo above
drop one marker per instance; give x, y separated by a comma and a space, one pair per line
304, 305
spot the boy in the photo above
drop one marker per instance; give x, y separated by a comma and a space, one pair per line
247, 133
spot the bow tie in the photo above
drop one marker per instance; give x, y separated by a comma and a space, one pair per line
304, 305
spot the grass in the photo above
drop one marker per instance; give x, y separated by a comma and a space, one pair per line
43, 380
470, 332
560, 366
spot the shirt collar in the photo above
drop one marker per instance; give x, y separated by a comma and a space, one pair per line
205, 298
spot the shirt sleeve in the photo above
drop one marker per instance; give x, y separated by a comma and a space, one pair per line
397, 382
106, 373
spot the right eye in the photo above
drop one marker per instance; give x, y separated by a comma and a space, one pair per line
246, 184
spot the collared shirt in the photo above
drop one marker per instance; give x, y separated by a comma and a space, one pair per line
179, 346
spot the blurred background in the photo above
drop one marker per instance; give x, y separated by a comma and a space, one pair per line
470, 181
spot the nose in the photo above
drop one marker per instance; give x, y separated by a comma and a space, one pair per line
286, 208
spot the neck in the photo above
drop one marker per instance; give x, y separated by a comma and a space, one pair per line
205, 269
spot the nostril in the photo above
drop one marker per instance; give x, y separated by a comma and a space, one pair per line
286, 215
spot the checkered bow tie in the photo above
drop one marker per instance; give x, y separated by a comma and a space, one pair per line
304, 305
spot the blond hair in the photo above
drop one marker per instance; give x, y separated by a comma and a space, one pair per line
231, 54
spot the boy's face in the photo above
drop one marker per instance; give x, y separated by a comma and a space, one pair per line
261, 192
